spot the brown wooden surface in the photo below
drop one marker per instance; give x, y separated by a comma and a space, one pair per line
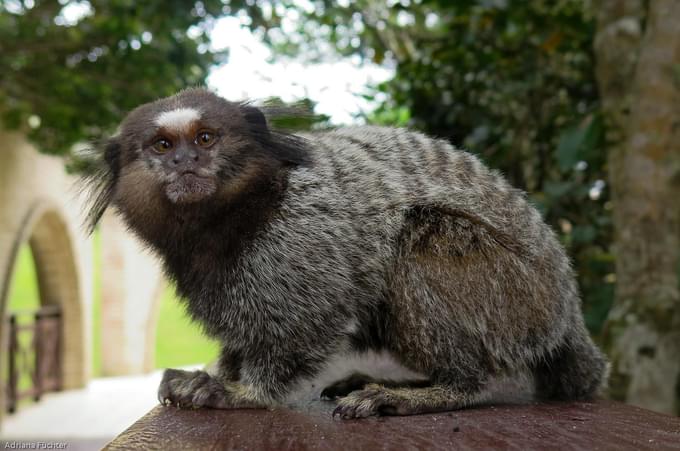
568, 426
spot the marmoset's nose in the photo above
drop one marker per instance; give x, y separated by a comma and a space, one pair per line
184, 156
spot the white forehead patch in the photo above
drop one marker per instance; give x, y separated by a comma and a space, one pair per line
178, 119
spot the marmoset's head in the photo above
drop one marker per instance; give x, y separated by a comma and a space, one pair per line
188, 149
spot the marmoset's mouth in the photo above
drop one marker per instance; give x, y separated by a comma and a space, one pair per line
190, 187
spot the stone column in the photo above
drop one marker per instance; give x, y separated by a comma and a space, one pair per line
131, 287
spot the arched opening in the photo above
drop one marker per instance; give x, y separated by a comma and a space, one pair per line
58, 284
24, 293
23, 300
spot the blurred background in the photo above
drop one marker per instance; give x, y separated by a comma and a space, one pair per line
576, 102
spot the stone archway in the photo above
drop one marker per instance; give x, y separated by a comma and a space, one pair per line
132, 283
51, 245
38, 207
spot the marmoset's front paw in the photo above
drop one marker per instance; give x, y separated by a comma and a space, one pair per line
192, 389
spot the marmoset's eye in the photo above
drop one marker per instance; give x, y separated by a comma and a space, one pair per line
205, 139
162, 145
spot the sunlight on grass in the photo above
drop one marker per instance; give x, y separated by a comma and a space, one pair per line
180, 342
23, 292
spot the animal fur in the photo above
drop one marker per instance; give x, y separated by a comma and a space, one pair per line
293, 251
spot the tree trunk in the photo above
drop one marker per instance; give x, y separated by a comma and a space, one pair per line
638, 52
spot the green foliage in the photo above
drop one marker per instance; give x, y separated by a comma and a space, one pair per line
64, 82
577, 143
298, 116
510, 81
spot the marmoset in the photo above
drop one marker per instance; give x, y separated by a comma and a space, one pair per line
299, 251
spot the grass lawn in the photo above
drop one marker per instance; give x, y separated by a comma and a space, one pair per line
178, 341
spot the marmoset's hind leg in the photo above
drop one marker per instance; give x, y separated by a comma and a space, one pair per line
375, 399
358, 381
463, 309
576, 369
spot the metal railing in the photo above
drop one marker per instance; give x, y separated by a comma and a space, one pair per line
34, 354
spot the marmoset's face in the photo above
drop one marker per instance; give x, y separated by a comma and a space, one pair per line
186, 146
182, 150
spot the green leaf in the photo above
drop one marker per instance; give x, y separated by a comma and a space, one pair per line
556, 190
583, 234
676, 74
579, 142
568, 147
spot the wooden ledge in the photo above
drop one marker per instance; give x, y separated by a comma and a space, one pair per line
601, 425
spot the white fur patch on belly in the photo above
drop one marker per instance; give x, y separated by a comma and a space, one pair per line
178, 119
379, 365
